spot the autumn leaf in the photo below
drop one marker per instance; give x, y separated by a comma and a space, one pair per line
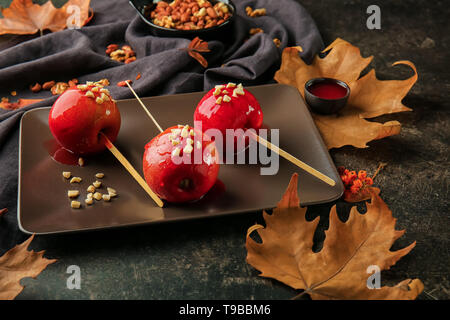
339, 269
27, 17
369, 97
5, 104
195, 48
362, 195
19, 263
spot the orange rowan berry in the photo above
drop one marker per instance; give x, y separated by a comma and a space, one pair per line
368, 181
362, 174
351, 175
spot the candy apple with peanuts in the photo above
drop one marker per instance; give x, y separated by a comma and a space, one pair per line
80, 115
180, 164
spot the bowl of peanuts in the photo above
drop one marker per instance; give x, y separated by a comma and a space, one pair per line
207, 19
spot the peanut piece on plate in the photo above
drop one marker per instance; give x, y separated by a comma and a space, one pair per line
91, 189
97, 196
99, 175
81, 162
73, 193
66, 174
106, 197
112, 192
89, 201
75, 204
75, 180
97, 184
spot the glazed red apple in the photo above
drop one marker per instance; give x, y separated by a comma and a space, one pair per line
180, 167
80, 114
229, 106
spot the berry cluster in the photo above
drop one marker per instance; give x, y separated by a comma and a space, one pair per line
353, 182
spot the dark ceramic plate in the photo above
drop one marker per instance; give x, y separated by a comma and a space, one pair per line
144, 7
43, 205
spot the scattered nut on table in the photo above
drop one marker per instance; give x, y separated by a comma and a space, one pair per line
99, 175
91, 189
66, 174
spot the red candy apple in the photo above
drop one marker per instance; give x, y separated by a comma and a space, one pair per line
80, 114
180, 167
229, 106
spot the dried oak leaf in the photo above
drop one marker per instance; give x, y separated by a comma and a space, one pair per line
26, 17
195, 48
5, 104
19, 263
369, 97
338, 271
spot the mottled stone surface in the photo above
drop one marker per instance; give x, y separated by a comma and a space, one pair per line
205, 259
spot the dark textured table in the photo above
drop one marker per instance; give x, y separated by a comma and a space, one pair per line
205, 259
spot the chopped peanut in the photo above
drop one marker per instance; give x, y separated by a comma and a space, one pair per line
73, 193
75, 204
89, 201
99, 175
66, 174
81, 162
97, 196
106, 197
75, 180
112, 192
97, 184
91, 189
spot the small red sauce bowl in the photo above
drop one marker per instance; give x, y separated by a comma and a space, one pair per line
326, 95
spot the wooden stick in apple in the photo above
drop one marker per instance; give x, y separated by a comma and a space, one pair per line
145, 109
127, 165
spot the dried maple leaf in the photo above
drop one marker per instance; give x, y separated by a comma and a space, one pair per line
19, 263
5, 104
26, 17
338, 271
369, 97
195, 48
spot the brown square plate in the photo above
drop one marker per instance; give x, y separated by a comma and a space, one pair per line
43, 205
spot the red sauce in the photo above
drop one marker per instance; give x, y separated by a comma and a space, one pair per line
328, 90
59, 154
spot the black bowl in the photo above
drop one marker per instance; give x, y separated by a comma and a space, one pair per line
144, 7
322, 105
